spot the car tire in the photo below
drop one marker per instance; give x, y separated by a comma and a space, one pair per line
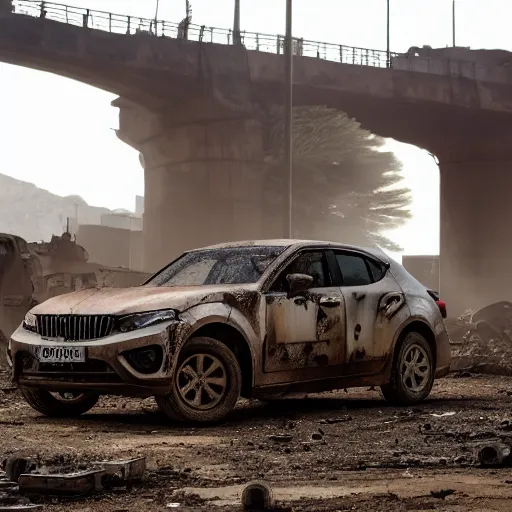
206, 384
50, 405
413, 372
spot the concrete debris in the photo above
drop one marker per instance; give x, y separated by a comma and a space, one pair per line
333, 421
444, 414
123, 471
104, 475
257, 496
482, 340
70, 485
495, 455
442, 494
280, 438
16, 466
10, 497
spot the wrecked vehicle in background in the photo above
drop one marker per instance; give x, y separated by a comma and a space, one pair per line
32, 273
251, 319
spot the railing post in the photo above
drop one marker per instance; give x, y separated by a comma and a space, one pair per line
201, 34
353, 55
129, 31
341, 53
229, 36
86, 19
257, 42
110, 22
279, 45
367, 58
67, 16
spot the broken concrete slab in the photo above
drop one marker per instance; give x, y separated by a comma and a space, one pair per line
76, 484
125, 470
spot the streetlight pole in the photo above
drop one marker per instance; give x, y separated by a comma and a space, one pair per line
288, 121
453, 21
388, 37
236, 24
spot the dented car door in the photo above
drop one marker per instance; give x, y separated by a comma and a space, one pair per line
306, 330
375, 305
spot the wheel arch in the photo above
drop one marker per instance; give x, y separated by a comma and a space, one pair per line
237, 343
421, 327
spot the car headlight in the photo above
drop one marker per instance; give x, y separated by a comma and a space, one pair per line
140, 320
30, 322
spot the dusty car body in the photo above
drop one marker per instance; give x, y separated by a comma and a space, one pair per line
249, 318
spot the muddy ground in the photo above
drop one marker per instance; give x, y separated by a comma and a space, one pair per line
366, 456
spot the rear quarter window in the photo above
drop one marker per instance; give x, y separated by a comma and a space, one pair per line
378, 270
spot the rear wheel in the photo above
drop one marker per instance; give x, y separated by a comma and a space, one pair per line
412, 376
206, 384
61, 404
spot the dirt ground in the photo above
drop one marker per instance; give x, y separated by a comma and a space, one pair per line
366, 456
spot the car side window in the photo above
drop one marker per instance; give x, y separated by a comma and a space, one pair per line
377, 270
353, 269
312, 264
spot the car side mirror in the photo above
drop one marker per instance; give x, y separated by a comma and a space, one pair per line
298, 283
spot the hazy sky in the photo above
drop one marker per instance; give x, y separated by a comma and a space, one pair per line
58, 133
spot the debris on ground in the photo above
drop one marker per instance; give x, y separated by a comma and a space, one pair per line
33, 480
495, 455
442, 494
10, 497
482, 340
257, 496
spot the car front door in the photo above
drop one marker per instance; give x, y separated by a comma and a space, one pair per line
374, 310
306, 330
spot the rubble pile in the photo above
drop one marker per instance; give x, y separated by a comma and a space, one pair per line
482, 340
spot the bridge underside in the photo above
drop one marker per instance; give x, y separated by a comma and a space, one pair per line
192, 110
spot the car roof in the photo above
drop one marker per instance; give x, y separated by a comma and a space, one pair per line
285, 242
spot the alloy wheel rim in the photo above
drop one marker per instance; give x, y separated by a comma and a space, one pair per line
202, 381
415, 369
67, 396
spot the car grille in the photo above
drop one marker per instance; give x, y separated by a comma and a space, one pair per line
75, 327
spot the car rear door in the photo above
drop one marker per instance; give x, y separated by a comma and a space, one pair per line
375, 308
306, 331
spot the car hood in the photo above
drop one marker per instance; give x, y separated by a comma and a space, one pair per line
111, 301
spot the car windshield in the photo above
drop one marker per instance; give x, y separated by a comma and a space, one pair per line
233, 265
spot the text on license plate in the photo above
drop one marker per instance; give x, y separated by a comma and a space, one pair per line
61, 354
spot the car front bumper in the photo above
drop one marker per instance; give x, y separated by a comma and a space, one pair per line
106, 370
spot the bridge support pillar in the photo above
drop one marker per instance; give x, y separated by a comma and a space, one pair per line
204, 178
476, 223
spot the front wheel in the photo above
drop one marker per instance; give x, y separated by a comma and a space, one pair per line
206, 384
61, 404
412, 375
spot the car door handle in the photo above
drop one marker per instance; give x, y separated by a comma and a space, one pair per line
330, 302
359, 295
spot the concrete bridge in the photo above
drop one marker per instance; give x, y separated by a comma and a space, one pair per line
192, 109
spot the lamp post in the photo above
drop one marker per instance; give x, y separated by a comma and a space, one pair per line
236, 24
288, 121
388, 25
453, 21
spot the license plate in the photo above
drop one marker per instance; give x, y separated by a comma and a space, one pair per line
61, 354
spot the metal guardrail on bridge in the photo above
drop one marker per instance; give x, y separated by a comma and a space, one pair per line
123, 24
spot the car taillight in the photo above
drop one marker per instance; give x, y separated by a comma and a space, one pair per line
442, 307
